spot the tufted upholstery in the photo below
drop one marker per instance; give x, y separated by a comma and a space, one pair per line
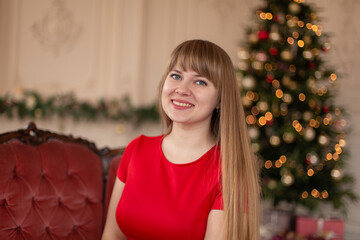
52, 190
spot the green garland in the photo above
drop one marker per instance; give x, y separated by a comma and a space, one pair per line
28, 103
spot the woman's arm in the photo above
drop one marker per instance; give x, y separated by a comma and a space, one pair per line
215, 223
111, 229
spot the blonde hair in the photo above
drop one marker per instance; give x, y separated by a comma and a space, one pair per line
240, 176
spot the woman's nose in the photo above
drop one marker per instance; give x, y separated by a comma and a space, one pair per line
183, 89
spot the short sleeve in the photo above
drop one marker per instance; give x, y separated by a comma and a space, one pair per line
125, 160
218, 202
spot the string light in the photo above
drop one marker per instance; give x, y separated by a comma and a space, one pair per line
278, 164
324, 194
301, 43
333, 77
315, 193
302, 97
262, 15
305, 195
268, 16
310, 172
342, 142
250, 119
290, 40
279, 93
254, 110
314, 28
295, 35
268, 164
268, 116
262, 121
268, 67
275, 83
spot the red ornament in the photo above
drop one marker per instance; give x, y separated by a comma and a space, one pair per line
312, 65
273, 51
269, 123
326, 108
324, 49
263, 35
270, 77
275, 17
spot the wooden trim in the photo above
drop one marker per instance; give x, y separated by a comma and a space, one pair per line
31, 135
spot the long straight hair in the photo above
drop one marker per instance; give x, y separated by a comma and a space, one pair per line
239, 167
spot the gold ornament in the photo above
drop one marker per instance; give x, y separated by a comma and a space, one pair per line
309, 134
263, 106
288, 137
248, 82
324, 139
294, 8
313, 158
257, 65
286, 55
272, 184
287, 98
307, 55
275, 140
243, 65
253, 38
287, 179
243, 54
336, 173
253, 133
261, 56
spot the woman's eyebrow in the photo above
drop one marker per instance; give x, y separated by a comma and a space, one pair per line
180, 72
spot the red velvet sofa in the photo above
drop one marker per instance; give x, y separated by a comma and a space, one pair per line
53, 186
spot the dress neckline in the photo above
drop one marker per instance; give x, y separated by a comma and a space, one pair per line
204, 156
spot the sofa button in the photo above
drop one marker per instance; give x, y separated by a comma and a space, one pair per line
47, 229
60, 202
2, 202
18, 229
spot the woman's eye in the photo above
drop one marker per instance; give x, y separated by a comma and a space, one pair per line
175, 76
201, 82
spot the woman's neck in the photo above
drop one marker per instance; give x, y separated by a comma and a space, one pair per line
183, 145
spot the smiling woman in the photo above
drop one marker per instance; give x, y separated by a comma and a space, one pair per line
200, 179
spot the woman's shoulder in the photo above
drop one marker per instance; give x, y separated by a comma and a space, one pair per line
144, 140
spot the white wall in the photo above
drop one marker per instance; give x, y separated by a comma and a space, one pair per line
110, 48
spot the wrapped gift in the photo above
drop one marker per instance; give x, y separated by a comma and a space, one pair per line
307, 226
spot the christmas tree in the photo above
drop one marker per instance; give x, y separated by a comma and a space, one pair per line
288, 93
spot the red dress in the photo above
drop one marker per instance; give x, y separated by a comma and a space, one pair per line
163, 200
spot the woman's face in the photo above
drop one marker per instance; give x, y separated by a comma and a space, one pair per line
189, 98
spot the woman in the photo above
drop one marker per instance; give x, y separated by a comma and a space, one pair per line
200, 179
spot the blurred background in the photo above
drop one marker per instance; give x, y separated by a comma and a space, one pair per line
113, 53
